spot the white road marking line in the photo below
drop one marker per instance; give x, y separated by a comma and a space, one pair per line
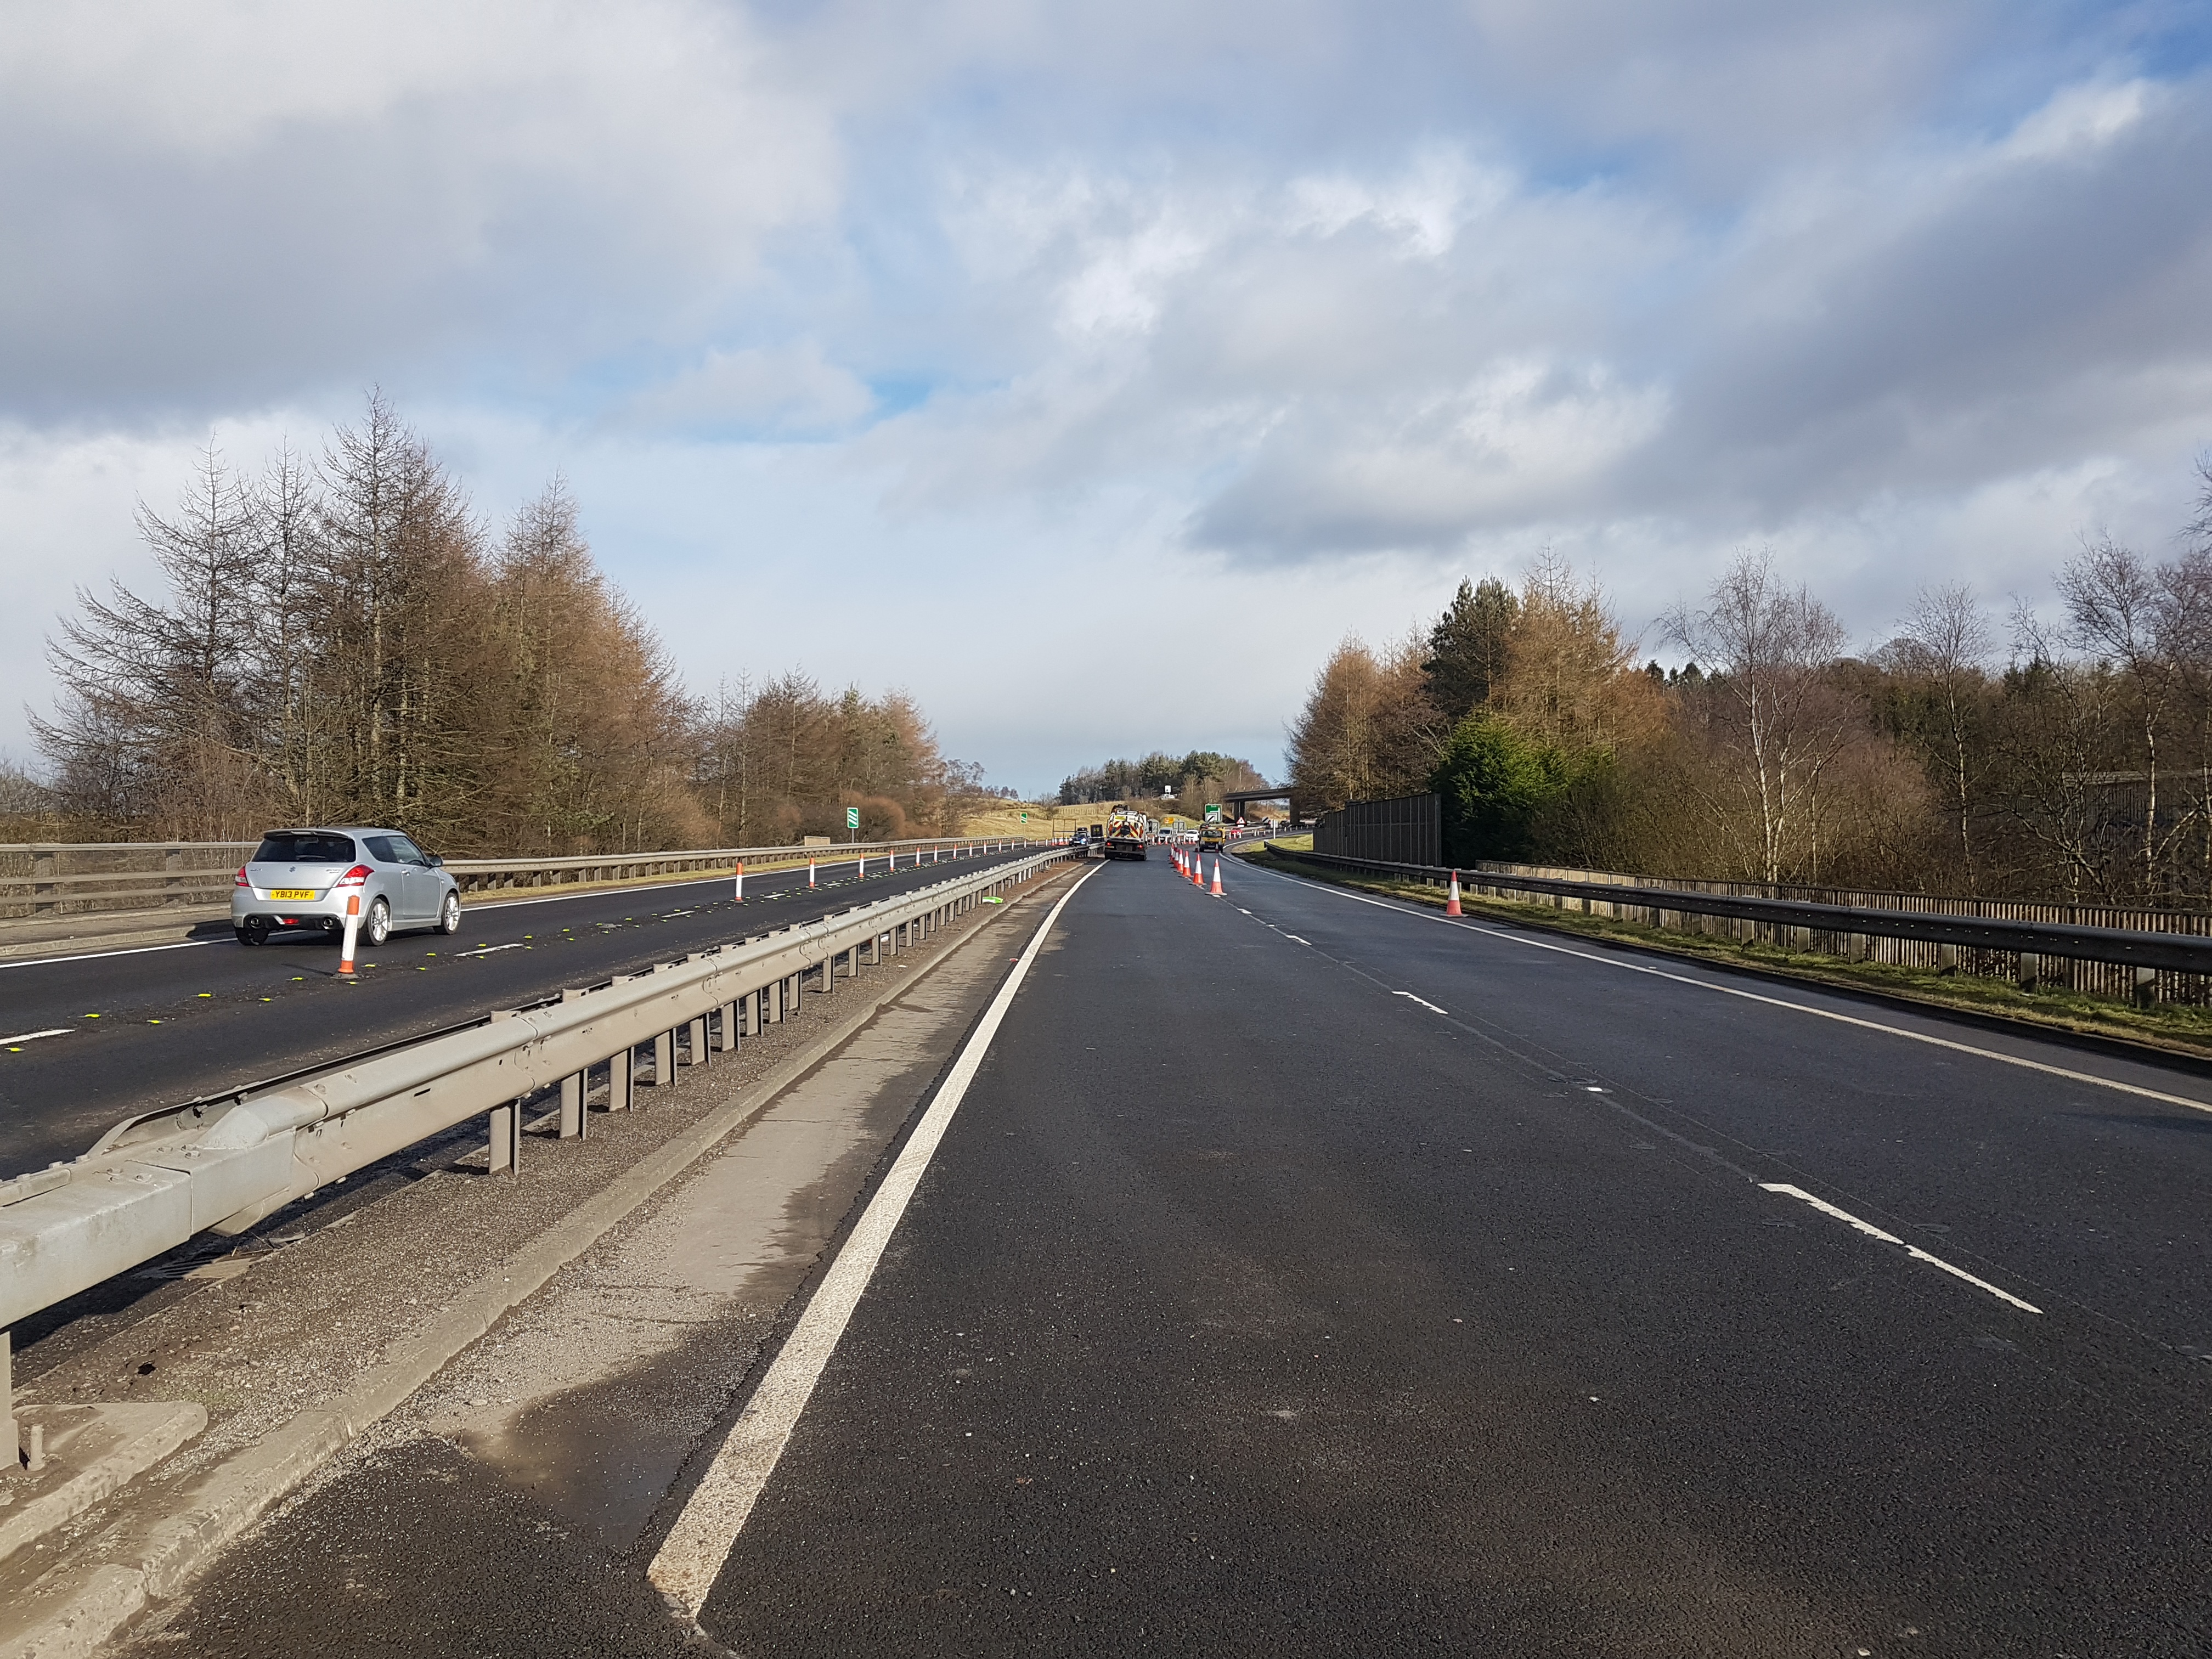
2049, 1070
1430, 1006
692, 1554
486, 950
32, 1036
1295, 939
1912, 1250
95, 956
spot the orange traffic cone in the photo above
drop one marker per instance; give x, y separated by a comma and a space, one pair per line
1217, 875
1451, 904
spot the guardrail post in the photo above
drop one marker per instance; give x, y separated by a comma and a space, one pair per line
618, 1081
505, 1138
2146, 987
698, 1041
725, 1036
664, 1061
173, 860
8, 1400
45, 863
2031, 971
575, 1120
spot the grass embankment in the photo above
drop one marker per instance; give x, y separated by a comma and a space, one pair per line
2170, 1026
1047, 820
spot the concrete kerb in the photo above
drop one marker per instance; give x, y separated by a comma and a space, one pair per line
83, 1606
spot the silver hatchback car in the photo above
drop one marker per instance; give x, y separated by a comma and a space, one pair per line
306, 878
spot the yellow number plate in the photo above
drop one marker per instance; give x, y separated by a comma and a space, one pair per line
291, 892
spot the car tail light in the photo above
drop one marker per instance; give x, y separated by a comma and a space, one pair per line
356, 877
239, 880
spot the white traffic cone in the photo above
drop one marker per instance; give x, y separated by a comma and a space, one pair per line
1217, 875
741, 881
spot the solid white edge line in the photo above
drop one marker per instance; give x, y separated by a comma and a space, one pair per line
95, 956
1912, 1250
1511, 938
692, 1556
1430, 1006
32, 1036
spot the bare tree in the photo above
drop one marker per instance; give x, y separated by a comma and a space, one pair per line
153, 723
2121, 611
286, 519
1766, 648
1949, 638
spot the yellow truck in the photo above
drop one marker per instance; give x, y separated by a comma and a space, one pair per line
1127, 834
1213, 838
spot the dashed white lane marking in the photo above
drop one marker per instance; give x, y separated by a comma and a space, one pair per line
1912, 1250
694, 1550
2044, 1067
1430, 1006
486, 950
32, 1036
1295, 939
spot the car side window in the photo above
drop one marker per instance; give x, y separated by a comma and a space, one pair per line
381, 849
406, 852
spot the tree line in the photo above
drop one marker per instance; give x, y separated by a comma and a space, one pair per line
1192, 778
342, 639
2066, 757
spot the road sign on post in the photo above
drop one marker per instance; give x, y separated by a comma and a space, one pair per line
1213, 813
853, 821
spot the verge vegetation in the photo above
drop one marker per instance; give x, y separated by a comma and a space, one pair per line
2059, 760
342, 638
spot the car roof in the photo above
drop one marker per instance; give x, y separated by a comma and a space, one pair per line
333, 829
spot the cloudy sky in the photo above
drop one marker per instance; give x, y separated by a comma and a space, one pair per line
1091, 369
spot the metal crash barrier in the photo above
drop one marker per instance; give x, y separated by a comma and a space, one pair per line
1836, 929
152, 1182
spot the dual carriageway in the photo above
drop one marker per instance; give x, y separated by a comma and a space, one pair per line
1294, 1271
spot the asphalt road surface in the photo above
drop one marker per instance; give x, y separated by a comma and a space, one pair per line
88, 1040
1304, 1275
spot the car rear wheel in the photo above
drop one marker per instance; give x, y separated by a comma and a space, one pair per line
376, 926
254, 931
449, 915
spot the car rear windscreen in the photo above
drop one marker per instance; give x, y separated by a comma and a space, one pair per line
306, 846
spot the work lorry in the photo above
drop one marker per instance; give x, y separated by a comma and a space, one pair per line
1127, 834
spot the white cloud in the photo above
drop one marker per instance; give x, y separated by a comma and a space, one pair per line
1306, 313
787, 390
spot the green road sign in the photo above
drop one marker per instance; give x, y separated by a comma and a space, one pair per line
1213, 813
852, 818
